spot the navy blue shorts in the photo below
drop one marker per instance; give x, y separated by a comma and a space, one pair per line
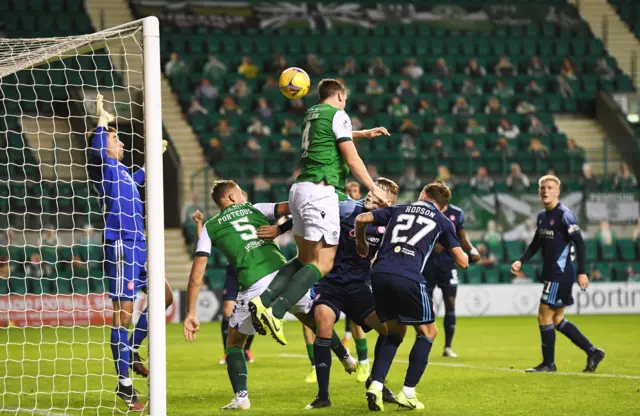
440, 277
354, 299
402, 299
125, 267
557, 294
230, 291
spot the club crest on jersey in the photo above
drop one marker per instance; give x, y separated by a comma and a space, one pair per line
352, 233
552, 222
382, 229
452, 218
130, 285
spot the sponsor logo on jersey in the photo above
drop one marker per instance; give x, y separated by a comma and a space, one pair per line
397, 249
408, 252
544, 233
322, 214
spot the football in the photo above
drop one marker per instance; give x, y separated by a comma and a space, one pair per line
294, 83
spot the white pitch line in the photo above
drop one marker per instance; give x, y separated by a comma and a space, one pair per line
33, 411
484, 368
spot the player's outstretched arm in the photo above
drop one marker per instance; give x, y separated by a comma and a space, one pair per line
460, 257
359, 170
467, 246
198, 218
191, 322
370, 133
527, 255
271, 232
104, 117
362, 221
99, 140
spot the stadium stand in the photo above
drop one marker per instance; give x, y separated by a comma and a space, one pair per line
223, 118
226, 80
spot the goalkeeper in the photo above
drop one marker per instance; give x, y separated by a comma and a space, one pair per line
125, 246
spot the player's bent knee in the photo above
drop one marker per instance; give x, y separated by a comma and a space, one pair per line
325, 319
236, 339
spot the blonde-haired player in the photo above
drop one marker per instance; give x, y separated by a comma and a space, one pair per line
563, 254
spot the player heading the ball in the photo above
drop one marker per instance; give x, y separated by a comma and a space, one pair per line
328, 154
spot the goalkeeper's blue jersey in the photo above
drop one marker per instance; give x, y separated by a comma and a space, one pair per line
118, 189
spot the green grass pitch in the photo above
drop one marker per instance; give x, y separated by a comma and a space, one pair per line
485, 380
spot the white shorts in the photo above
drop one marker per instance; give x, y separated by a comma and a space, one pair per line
241, 317
315, 212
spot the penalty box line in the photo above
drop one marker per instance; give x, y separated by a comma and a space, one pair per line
484, 368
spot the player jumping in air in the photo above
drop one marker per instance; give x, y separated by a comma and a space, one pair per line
229, 296
558, 236
328, 153
441, 271
399, 289
347, 289
234, 231
125, 248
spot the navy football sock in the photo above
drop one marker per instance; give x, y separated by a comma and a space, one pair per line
247, 345
385, 354
225, 332
121, 351
376, 351
418, 360
449, 327
139, 332
573, 333
548, 337
322, 356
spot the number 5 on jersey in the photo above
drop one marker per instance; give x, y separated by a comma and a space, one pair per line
246, 230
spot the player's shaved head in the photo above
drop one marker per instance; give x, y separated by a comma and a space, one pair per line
328, 88
438, 193
221, 189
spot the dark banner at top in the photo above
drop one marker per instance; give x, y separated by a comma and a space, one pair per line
319, 16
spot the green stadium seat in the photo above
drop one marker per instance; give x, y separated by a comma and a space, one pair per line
513, 249
591, 249
608, 252
627, 249
492, 275
474, 274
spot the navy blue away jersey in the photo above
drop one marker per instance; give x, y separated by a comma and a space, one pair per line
554, 232
412, 231
348, 265
444, 260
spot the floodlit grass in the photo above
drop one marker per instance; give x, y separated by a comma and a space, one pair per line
71, 372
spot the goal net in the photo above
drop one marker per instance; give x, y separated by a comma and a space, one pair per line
55, 309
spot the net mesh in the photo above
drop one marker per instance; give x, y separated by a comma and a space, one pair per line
55, 355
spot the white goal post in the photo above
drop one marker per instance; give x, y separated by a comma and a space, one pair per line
55, 311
